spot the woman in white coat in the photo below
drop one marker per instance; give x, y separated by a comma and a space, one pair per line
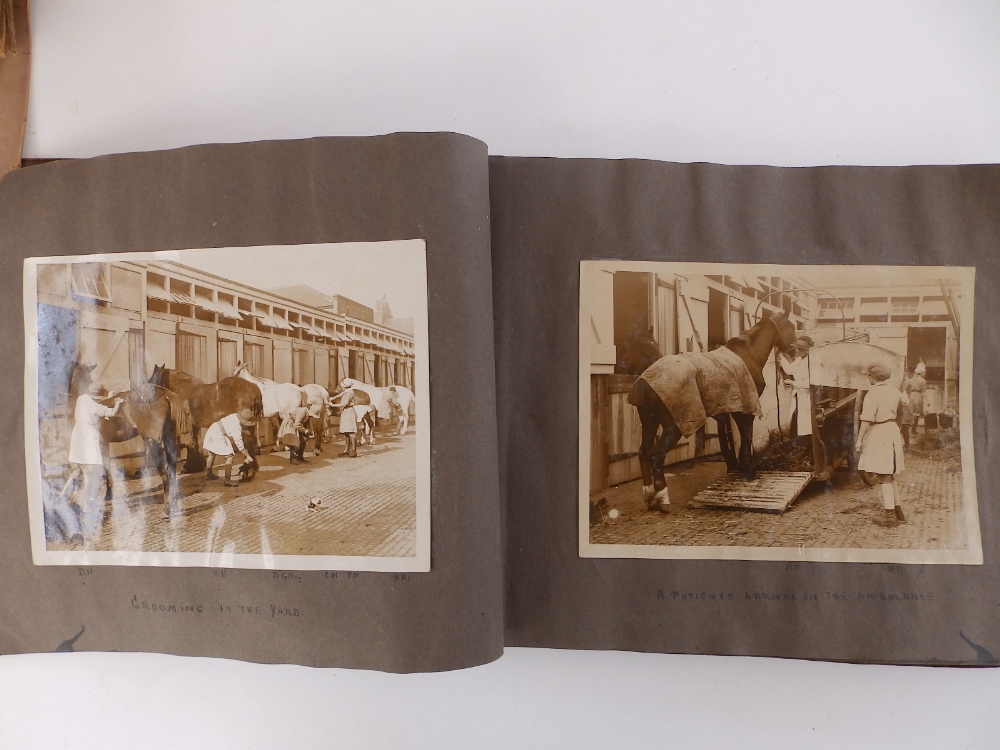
796, 371
224, 438
86, 455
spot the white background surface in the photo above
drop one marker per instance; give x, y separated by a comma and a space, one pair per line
785, 83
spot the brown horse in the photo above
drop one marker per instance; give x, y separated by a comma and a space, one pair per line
660, 432
156, 415
208, 403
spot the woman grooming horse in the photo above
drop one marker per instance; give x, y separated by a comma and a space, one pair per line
279, 398
675, 395
86, 455
157, 415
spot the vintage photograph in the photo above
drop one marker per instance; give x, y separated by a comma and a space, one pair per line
771, 412
255, 407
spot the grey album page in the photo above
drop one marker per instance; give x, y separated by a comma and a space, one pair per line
748, 410
250, 404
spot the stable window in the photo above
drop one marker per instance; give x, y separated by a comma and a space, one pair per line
934, 309
90, 281
829, 309
905, 309
228, 313
874, 310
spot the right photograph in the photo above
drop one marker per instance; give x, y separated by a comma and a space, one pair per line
765, 412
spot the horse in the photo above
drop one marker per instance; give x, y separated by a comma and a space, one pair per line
660, 430
208, 403
316, 398
159, 417
279, 398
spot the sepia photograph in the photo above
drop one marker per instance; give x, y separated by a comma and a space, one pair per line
254, 407
766, 412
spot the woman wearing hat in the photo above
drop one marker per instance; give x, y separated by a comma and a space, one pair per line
796, 371
86, 455
880, 444
224, 438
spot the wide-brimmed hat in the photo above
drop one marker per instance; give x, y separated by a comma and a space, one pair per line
804, 341
95, 387
878, 371
246, 417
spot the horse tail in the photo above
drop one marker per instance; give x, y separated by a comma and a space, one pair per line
257, 407
180, 410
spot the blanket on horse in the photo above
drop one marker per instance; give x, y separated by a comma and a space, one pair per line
697, 386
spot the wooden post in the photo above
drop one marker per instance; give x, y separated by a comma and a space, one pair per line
15, 69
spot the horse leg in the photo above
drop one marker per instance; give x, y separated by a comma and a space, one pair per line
649, 428
319, 425
276, 427
747, 462
168, 475
653, 416
726, 444
669, 435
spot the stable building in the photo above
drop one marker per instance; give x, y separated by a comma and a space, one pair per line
127, 316
916, 321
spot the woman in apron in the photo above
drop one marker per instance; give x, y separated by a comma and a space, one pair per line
796, 371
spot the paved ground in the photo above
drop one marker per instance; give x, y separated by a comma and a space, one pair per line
833, 514
369, 508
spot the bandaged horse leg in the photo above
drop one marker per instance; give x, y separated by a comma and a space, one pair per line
668, 438
747, 462
726, 444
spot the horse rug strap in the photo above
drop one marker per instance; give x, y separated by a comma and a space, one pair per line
697, 386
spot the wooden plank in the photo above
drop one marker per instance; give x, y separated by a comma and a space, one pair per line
15, 69
772, 492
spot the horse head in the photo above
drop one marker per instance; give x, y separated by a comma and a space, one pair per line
638, 350
241, 367
80, 379
159, 376
787, 334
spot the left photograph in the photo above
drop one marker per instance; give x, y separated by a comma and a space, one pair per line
254, 407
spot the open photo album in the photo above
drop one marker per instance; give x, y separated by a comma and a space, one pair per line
391, 403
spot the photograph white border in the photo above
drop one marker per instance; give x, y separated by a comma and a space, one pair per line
419, 562
973, 555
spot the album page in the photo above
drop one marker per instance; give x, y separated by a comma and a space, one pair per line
247, 374
745, 410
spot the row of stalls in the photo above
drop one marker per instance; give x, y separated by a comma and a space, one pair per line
902, 326
125, 317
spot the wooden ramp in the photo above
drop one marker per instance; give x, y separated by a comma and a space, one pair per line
771, 491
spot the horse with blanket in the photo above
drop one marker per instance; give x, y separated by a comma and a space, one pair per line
675, 395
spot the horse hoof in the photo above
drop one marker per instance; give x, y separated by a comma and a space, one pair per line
661, 501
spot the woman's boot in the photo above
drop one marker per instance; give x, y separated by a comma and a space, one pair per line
887, 520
